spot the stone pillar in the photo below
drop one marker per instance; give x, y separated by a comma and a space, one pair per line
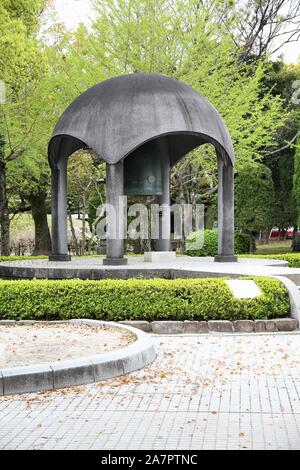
164, 243
115, 218
59, 212
225, 212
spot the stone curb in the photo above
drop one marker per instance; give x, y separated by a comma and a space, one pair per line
51, 376
294, 296
215, 326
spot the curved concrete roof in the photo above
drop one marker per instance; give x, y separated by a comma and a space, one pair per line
119, 115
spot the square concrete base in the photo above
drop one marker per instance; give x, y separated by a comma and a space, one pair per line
226, 259
159, 256
115, 261
54, 257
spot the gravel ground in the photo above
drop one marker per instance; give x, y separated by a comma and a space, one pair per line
23, 345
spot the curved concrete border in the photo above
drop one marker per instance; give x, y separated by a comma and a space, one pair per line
51, 376
294, 296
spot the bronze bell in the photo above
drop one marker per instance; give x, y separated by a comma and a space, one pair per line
142, 171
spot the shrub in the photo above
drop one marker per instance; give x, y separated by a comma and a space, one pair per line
156, 299
242, 242
210, 245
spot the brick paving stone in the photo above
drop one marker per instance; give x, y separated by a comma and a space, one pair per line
203, 392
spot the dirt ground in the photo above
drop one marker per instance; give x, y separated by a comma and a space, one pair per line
23, 345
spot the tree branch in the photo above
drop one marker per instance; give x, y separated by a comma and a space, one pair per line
14, 154
285, 147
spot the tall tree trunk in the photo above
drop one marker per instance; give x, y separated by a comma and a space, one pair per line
38, 207
252, 243
265, 236
4, 215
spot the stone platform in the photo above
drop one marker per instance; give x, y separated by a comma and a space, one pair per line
181, 267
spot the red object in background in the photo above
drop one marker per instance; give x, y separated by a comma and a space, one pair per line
276, 234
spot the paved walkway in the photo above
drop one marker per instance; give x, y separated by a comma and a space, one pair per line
203, 392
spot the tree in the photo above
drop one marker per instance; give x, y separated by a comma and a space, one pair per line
255, 199
282, 175
264, 26
297, 180
28, 189
280, 79
18, 57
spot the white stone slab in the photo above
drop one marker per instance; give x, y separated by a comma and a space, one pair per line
244, 289
159, 256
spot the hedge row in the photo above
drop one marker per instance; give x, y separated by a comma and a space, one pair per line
206, 243
292, 258
157, 299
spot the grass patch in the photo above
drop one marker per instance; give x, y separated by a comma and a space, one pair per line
275, 248
293, 259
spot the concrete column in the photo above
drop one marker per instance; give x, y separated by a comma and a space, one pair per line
115, 218
59, 213
225, 212
164, 243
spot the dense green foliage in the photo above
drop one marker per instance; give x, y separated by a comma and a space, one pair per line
22, 67
200, 43
209, 242
157, 299
282, 79
282, 167
255, 198
242, 243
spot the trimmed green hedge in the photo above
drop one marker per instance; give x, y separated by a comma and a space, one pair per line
157, 299
292, 258
210, 243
